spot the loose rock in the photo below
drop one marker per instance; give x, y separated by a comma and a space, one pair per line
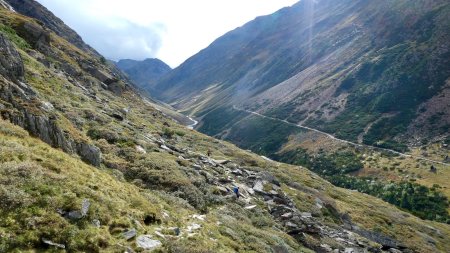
147, 243
250, 207
96, 223
129, 234
48, 242
85, 207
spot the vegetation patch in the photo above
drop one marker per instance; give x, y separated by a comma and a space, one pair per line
424, 202
261, 135
219, 120
12, 36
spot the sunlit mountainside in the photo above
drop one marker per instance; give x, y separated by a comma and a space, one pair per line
89, 163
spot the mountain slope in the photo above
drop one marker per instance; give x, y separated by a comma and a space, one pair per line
37, 11
148, 183
144, 73
347, 72
321, 63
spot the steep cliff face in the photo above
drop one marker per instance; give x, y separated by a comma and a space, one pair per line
158, 185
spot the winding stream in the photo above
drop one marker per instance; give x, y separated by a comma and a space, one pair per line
192, 126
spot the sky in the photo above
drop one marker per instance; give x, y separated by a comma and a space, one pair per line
171, 30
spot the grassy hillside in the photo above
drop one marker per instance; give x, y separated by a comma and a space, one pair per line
39, 182
359, 168
99, 169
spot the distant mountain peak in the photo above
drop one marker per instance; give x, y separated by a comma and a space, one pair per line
144, 73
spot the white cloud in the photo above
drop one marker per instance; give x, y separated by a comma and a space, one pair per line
171, 30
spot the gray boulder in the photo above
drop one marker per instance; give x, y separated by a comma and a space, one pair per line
57, 245
85, 207
147, 243
129, 234
258, 186
89, 153
79, 214
74, 215
96, 223
280, 249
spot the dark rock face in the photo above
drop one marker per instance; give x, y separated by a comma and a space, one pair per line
11, 65
35, 35
89, 153
385, 241
103, 77
47, 130
110, 80
433, 169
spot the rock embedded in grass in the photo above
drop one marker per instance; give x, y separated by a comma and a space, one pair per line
147, 243
129, 234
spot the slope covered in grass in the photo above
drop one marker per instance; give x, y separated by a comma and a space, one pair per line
99, 169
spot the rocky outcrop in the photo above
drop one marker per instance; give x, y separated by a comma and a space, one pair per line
35, 35
22, 107
89, 153
47, 129
11, 65
110, 81
147, 243
100, 75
